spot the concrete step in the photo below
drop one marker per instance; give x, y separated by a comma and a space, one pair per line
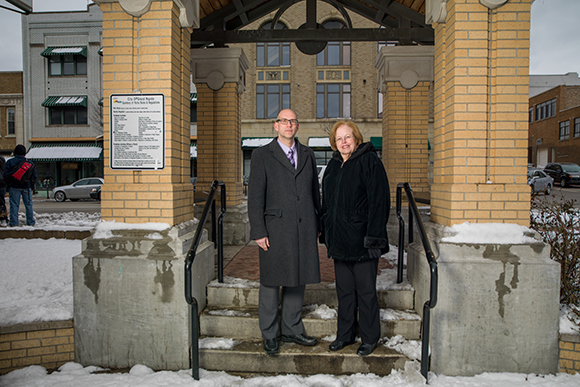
243, 293
243, 322
248, 356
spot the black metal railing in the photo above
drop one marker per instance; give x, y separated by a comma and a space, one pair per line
193, 309
429, 304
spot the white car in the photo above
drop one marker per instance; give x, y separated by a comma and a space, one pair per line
539, 181
80, 189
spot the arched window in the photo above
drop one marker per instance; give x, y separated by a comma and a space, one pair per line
273, 54
335, 53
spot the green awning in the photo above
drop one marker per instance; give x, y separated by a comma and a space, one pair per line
193, 97
80, 100
377, 142
73, 152
73, 50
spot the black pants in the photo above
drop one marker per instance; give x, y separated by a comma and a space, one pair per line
357, 292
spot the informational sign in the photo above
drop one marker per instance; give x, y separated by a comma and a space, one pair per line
137, 131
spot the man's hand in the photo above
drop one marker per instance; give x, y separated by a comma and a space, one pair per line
264, 243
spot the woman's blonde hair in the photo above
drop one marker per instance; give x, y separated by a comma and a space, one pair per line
355, 132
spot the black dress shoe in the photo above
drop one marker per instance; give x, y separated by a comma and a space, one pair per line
337, 345
300, 339
271, 347
366, 349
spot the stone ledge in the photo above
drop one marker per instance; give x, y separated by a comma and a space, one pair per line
6, 233
569, 337
36, 326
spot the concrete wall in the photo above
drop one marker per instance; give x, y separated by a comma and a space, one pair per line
129, 302
497, 309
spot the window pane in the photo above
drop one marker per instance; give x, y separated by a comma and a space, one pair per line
260, 55
346, 54
320, 58
81, 65
273, 101
55, 116
333, 54
285, 54
54, 65
285, 101
333, 104
69, 116
81, 115
346, 103
68, 67
260, 108
273, 54
11, 121
319, 105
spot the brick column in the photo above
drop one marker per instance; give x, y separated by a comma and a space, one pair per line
405, 79
219, 75
481, 105
146, 49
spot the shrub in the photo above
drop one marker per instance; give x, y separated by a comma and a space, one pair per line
558, 222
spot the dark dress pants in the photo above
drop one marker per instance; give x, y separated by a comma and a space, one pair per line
292, 301
357, 292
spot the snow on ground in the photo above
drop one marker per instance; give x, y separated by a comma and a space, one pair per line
37, 286
74, 375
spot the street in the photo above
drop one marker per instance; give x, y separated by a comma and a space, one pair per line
570, 193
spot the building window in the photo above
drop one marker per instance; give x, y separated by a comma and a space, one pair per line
564, 130
11, 121
335, 53
271, 98
273, 54
67, 65
332, 100
531, 115
67, 115
546, 109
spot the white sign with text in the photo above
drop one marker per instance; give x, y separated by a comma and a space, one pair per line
137, 131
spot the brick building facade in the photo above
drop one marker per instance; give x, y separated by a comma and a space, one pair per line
554, 134
307, 80
11, 112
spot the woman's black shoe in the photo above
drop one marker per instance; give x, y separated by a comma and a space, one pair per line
366, 349
337, 345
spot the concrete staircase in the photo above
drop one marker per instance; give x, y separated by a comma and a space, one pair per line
232, 312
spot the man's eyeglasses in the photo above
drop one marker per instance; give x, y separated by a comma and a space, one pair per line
285, 121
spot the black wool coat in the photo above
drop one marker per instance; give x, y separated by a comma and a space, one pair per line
355, 205
284, 205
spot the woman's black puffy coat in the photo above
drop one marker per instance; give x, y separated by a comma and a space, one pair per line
355, 205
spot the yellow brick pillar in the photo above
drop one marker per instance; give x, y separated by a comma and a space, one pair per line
219, 75
146, 49
481, 106
405, 80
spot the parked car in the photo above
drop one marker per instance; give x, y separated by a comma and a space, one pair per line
96, 193
80, 189
564, 173
540, 181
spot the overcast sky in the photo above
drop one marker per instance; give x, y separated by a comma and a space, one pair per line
555, 41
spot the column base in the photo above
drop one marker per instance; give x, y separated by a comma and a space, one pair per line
497, 307
129, 297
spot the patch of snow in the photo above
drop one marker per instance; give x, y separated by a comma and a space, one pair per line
228, 313
399, 315
323, 312
489, 233
409, 348
232, 282
217, 343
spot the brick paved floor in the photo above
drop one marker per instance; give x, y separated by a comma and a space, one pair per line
245, 264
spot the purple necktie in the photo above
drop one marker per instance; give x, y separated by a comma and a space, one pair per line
291, 158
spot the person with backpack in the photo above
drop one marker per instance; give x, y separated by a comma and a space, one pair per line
20, 176
3, 213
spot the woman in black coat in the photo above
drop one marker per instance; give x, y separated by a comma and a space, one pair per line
355, 211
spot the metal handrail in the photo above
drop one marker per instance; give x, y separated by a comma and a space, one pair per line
430, 304
193, 309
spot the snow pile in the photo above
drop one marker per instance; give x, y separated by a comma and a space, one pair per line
217, 343
37, 280
60, 221
323, 312
489, 233
105, 229
409, 348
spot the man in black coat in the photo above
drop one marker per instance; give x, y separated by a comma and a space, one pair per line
284, 213
20, 189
